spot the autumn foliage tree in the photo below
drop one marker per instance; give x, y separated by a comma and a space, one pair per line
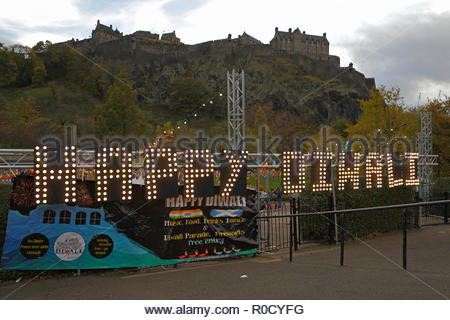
39, 75
26, 112
440, 113
120, 115
387, 113
20, 123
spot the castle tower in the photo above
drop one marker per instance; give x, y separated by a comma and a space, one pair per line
103, 33
303, 43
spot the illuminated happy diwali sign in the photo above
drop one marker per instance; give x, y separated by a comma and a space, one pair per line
113, 172
350, 170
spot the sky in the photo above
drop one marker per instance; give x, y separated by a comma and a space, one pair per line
399, 43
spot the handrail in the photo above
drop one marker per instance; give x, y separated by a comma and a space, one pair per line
394, 206
343, 213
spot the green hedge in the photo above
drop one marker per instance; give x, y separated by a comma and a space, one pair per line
441, 186
359, 224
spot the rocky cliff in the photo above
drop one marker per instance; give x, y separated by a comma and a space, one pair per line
291, 82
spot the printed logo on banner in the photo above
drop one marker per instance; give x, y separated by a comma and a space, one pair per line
34, 245
101, 246
69, 246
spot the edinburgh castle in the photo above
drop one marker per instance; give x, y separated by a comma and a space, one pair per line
292, 62
284, 42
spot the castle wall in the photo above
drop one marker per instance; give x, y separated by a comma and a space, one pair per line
143, 50
100, 36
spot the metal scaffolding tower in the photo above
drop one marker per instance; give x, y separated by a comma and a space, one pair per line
236, 109
426, 158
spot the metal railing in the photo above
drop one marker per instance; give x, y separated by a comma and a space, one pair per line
288, 230
274, 231
433, 215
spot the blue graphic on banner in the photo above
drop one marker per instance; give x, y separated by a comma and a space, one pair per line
73, 235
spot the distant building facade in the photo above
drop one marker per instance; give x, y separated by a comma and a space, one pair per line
171, 37
248, 39
103, 33
300, 42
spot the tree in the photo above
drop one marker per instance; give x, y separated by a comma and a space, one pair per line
4, 105
340, 126
8, 67
256, 128
20, 66
161, 130
39, 78
216, 109
26, 111
94, 82
386, 112
25, 59
13, 134
219, 129
187, 95
259, 120
120, 115
42, 47
440, 112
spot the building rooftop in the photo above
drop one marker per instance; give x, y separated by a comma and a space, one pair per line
106, 29
289, 35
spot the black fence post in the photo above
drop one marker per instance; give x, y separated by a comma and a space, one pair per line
446, 208
294, 226
299, 232
330, 220
417, 216
342, 238
290, 229
268, 223
405, 227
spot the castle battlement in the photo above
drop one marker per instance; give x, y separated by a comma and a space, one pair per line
283, 42
103, 33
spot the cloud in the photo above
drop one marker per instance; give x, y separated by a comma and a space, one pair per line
177, 11
407, 50
102, 6
18, 33
6, 37
180, 8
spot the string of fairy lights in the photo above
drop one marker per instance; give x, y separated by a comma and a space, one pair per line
194, 114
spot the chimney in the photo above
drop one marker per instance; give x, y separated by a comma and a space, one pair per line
229, 36
276, 29
324, 34
303, 32
98, 22
110, 26
290, 30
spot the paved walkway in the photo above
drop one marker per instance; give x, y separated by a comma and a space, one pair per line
371, 271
